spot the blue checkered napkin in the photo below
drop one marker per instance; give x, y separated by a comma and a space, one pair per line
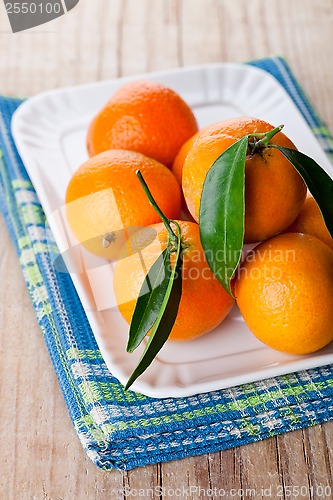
125, 430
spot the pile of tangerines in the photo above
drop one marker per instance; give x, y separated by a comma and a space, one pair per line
283, 287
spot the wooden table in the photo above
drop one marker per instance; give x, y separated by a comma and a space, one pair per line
41, 456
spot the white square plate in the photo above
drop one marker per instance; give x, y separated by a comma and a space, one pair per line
50, 130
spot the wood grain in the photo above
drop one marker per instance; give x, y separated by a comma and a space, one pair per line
41, 456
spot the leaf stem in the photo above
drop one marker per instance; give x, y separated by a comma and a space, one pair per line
265, 137
157, 209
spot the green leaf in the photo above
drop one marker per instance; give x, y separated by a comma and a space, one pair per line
317, 180
222, 210
166, 317
150, 300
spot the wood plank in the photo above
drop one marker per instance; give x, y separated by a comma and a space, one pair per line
260, 474
110, 25
189, 476
134, 48
147, 480
200, 34
163, 36
292, 462
318, 457
225, 470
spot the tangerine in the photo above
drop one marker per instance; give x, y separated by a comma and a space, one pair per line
178, 163
284, 292
105, 201
196, 316
146, 117
274, 191
310, 221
